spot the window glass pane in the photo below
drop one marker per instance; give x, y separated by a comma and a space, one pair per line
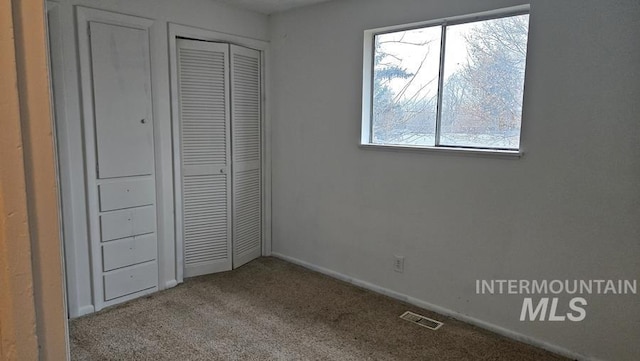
483, 83
405, 86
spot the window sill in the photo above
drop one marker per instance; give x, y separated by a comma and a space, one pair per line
451, 150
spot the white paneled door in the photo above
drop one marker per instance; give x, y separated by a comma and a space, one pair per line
219, 91
122, 100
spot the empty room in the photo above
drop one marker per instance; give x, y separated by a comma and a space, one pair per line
320, 180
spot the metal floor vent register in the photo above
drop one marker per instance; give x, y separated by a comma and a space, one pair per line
421, 320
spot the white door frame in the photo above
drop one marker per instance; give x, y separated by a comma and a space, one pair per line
183, 31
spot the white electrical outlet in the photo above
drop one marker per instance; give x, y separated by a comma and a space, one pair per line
398, 263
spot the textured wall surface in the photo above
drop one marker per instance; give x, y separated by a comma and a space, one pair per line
24, 97
568, 209
17, 314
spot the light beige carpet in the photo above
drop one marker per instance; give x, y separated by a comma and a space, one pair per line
272, 310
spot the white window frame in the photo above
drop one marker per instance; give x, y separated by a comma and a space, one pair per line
367, 82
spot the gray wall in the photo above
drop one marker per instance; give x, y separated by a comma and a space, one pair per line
568, 209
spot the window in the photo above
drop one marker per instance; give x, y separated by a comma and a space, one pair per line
455, 83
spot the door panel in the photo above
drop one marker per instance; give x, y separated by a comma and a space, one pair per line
245, 129
122, 98
203, 84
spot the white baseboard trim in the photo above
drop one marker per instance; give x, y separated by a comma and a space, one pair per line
441, 310
171, 283
83, 310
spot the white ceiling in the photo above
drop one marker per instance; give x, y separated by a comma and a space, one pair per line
270, 6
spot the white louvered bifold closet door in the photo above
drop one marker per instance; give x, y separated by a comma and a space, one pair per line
203, 82
245, 130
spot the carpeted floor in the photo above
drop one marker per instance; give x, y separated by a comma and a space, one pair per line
272, 310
